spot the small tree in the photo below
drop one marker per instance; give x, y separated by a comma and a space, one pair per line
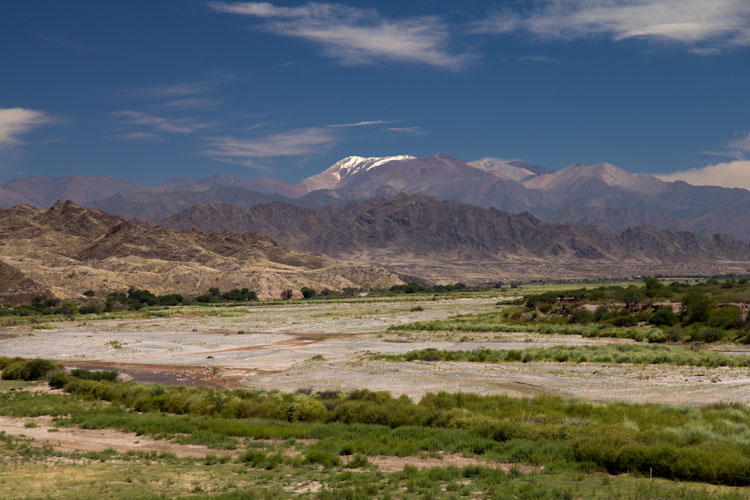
68, 309
696, 307
287, 294
308, 292
664, 317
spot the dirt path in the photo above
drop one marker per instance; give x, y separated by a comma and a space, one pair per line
394, 464
75, 439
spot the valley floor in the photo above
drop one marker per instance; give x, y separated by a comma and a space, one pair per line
324, 346
49, 450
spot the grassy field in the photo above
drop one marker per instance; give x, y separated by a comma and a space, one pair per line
276, 458
362, 444
620, 353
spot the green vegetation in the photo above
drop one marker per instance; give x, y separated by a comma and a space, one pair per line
610, 353
28, 370
707, 312
710, 444
214, 295
335, 439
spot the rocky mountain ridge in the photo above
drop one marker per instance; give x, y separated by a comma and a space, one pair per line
66, 250
420, 228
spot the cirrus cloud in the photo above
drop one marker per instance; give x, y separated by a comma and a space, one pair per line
248, 151
719, 23
357, 36
160, 123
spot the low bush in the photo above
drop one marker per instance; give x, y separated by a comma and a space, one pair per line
619, 353
33, 369
83, 374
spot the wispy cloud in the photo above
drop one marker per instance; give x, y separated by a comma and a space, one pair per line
138, 136
192, 103
247, 151
540, 59
17, 121
161, 124
178, 89
733, 174
356, 36
418, 131
740, 146
68, 44
737, 148
720, 23
363, 123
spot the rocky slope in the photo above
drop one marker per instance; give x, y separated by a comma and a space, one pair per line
66, 250
415, 228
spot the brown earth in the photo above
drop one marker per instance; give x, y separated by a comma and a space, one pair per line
66, 250
445, 240
75, 439
394, 464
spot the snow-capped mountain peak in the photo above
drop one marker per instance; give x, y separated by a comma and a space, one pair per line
347, 167
355, 164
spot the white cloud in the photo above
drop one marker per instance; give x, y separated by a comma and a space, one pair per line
139, 136
196, 103
722, 22
293, 143
362, 124
418, 131
357, 36
18, 121
161, 124
733, 174
738, 148
177, 90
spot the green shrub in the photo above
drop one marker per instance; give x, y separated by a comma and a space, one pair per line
83, 374
664, 317
581, 316
727, 318
89, 310
33, 369
58, 380
707, 334
323, 458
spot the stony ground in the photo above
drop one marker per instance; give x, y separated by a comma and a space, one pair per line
324, 346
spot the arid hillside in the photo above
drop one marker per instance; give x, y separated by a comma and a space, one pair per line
66, 250
422, 235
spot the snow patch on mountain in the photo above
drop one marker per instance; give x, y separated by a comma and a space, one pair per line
347, 167
502, 169
354, 164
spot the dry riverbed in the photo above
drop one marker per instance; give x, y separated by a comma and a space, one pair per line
324, 346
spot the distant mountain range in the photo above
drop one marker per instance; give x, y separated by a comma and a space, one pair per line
416, 232
601, 194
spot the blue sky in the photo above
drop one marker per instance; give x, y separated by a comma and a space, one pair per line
148, 90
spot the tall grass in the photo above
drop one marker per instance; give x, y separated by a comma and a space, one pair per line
622, 353
499, 322
708, 444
